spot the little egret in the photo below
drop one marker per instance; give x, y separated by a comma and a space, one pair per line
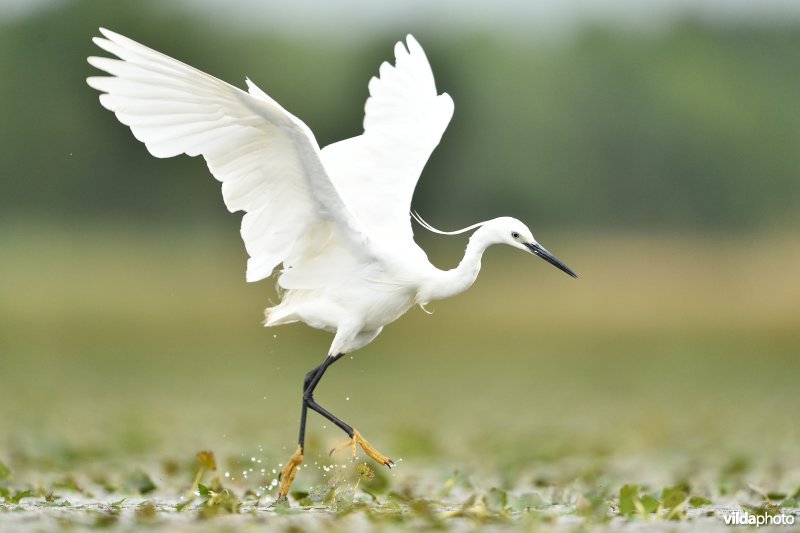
337, 218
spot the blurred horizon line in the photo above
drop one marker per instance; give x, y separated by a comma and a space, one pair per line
547, 19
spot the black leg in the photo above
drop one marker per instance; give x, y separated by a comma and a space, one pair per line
344, 426
310, 382
302, 439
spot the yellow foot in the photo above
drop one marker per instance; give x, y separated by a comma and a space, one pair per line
368, 449
289, 472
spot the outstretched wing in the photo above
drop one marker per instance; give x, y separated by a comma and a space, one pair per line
267, 160
376, 172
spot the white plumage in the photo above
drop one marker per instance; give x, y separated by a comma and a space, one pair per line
337, 218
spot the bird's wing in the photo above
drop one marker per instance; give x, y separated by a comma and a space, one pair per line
267, 160
377, 171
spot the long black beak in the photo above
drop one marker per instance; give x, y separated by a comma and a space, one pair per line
541, 251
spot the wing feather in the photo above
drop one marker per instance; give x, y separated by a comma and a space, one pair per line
404, 121
267, 160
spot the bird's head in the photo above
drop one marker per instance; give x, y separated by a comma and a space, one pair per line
508, 230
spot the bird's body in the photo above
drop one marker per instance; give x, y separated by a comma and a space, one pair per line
382, 290
337, 218
379, 293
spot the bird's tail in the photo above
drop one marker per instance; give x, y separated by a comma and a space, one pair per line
278, 315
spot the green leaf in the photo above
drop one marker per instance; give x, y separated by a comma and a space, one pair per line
281, 508
699, 501
790, 502
18, 495
649, 503
301, 497
203, 490
593, 506
763, 510
627, 495
224, 502
140, 482
673, 496
5, 472
183, 505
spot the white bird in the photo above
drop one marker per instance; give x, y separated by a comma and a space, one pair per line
337, 218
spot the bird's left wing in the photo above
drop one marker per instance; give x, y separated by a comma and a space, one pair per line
377, 171
267, 159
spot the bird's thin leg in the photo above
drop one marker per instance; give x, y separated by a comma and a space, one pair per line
290, 469
302, 438
310, 382
355, 437
308, 395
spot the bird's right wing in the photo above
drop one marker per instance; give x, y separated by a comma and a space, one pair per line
377, 171
267, 159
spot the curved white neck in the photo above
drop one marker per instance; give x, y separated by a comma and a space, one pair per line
451, 282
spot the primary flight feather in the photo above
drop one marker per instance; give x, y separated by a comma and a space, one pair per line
337, 219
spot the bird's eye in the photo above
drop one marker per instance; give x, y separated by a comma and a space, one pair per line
515, 235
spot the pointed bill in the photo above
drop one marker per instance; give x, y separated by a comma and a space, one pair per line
541, 251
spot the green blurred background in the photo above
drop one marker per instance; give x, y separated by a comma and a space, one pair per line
655, 150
